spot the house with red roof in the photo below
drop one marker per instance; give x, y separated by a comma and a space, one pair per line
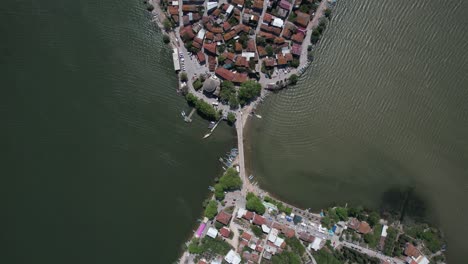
223, 217
259, 220
225, 232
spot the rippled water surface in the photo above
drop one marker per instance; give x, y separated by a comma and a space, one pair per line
383, 107
97, 164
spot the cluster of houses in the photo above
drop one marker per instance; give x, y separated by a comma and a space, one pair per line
252, 248
236, 40
412, 253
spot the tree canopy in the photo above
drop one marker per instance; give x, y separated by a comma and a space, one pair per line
248, 91
231, 118
254, 204
293, 78
211, 209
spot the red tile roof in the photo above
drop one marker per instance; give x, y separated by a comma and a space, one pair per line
238, 2
298, 37
288, 57
224, 231
364, 228
223, 218
189, 8
261, 51
259, 220
238, 47
211, 63
242, 62
246, 236
226, 26
248, 215
173, 10
270, 62
240, 78
224, 73
186, 33
267, 18
210, 48
411, 251
302, 19
296, 49
251, 45
306, 237
201, 57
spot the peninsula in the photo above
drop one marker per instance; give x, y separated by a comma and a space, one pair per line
228, 54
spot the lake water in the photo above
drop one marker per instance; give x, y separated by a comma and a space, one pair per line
382, 109
97, 163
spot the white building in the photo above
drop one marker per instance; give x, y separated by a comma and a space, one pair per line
277, 22
232, 257
212, 232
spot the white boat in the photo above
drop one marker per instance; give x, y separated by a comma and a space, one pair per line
207, 135
259, 116
182, 113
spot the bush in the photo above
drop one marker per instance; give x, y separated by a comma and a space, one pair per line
166, 39
286, 257
211, 209
227, 91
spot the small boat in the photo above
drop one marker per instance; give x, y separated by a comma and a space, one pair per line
207, 135
211, 125
258, 116
251, 177
182, 113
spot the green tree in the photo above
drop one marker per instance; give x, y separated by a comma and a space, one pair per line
295, 63
269, 50
167, 24
221, 59
373, 218
183, 77
254, 204
227, 91
211, 209
231, 118
194, 247
248, 91
219, 192
256, 230
197, 85
326, 222
230, 180
293, 78
233, 101
166, 39
342, 213
296, 245
327, 13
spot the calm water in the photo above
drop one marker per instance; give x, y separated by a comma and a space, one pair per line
383, 108
97, 164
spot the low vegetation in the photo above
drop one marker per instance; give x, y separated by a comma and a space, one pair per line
209, 245
286, 257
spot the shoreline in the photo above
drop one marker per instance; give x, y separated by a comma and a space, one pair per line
242, 115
